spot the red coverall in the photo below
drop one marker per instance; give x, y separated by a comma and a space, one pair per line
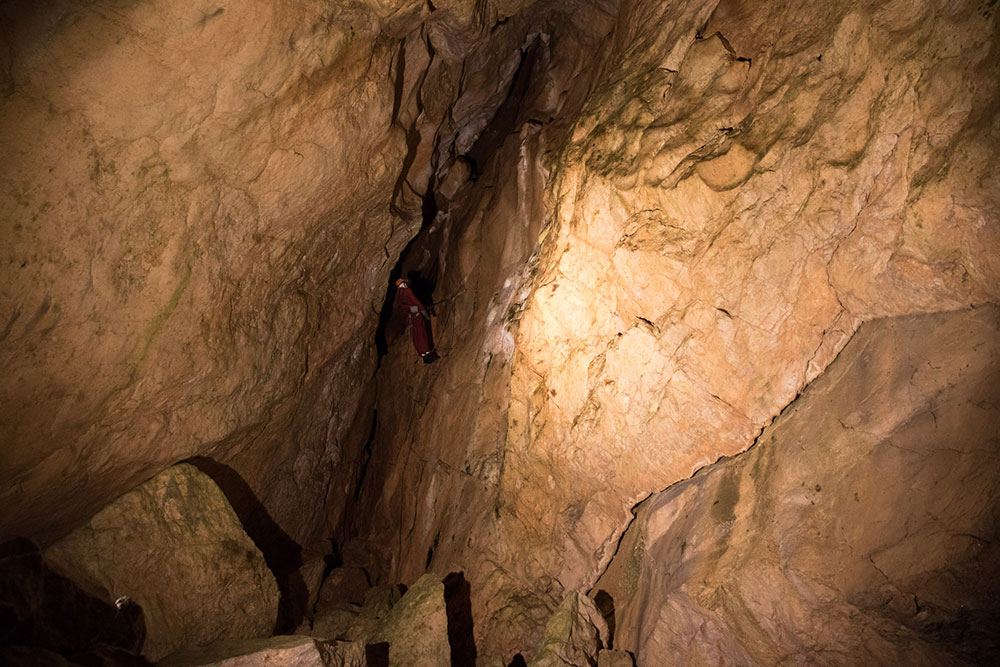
417, 318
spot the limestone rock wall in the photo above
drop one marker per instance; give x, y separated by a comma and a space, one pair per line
202, 206
743, 187
860, 529
196, 234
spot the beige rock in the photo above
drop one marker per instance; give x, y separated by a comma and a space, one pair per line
741, 188
856, 528
416, 629
347, 586
379, 601
280, 651
608, 658
682, 211
196, 231
335, 624
573, 636
175, 547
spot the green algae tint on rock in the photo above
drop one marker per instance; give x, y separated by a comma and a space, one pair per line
175, 546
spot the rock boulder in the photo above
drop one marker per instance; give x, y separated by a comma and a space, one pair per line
176, 548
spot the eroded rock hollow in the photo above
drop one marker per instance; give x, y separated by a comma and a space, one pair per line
714, 285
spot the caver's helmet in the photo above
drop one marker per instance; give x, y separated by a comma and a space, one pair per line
401, 282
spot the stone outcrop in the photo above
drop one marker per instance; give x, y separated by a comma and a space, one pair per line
416, 629
573, 636
175, 547
279, 651
860, 528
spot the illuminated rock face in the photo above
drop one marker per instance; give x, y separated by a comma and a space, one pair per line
743, 187
856, 529
650, 226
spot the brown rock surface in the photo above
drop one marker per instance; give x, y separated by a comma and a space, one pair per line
416, 629
195, 232
861, 528
279, 651
573, 636
649, 227
638, 289
176, 548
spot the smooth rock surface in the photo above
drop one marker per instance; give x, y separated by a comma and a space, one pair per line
860, 529
176, 548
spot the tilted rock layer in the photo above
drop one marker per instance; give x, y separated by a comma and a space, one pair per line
861, 529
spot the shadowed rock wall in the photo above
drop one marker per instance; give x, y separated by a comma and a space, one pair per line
203, 205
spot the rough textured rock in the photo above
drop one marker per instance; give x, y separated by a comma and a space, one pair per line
379, 601
641, 287
176, 548
573, 636
196, 230
348, 605
649, 226
311, 573
861, 528
46, 619
280, 651
416, 629
608, 658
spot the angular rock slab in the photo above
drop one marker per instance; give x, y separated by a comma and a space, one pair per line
574, 635
861, 528
416, 629
280, 651
175, 546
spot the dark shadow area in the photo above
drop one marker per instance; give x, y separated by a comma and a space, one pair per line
44, 615
366, 456
509, 115
423, 288
377, 655
518, 661
458, 607
606, 605
282, 554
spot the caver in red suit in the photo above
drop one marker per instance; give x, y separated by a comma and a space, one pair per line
418, 320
